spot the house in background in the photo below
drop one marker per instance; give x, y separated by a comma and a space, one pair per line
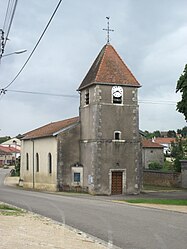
151, 152
13, 142
100, 150
166, 142
8, 155
164, 133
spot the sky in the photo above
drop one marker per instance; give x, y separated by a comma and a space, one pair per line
150, 37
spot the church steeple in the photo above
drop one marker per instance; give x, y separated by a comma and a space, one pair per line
109, 68
109, 138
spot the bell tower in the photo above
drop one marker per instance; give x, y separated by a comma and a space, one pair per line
109, 120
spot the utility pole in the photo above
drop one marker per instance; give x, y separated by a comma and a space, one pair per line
2, 43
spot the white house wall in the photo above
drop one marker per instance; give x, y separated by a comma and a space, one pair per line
41, 179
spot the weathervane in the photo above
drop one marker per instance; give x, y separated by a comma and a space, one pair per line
108, 29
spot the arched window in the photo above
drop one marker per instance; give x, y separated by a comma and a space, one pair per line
117, 135
27, 161
37, 162
50, 163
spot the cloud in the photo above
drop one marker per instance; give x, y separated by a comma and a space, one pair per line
150, 36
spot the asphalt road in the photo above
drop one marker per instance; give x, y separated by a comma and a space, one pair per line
122, 225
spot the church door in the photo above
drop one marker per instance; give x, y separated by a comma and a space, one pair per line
117, 182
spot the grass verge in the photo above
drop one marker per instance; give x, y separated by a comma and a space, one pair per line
158, 201
10, 210
160, 188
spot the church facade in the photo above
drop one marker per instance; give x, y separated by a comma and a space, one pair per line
99, 151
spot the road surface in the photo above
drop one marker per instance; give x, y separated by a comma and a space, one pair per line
122, 225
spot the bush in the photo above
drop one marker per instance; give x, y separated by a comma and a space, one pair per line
177, 164
17, 168
154, 166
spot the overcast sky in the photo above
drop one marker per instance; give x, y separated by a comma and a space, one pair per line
150, 36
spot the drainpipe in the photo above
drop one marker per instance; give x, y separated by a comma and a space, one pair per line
33, 178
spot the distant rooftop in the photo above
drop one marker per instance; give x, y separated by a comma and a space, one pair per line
164, 140
150, 144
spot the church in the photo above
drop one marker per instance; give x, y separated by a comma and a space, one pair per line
98, 152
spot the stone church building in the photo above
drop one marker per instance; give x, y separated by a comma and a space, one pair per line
97, 152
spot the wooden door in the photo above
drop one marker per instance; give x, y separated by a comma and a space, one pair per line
117, 183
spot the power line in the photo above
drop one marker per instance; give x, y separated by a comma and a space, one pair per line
145, 101
6, 15
44, 93
9, 16
11, 20
168, 102
34, 47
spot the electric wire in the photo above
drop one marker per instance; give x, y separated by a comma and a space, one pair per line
10, 22
45, 93
6, 15
9, 16
51, 18
145, 101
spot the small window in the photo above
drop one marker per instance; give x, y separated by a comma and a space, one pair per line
117, 135
50, 163
37, 162
117, 100
87, 97
77, 177
27, 161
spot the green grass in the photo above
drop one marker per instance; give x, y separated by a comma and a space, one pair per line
9, 210
7, 207
158, 201
160, 188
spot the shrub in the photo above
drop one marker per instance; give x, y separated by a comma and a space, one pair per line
154, 166
177, 164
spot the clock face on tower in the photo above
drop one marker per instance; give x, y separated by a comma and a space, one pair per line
117, 91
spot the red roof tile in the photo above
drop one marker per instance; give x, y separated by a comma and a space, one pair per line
164, 140
50, 129
108, 68
3, 152
9, 149
150, 144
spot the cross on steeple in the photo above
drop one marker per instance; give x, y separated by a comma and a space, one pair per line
108, 29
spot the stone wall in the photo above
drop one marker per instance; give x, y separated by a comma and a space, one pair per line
158, 178
184, 173
68, 157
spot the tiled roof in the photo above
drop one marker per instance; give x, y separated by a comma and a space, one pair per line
3, 152
150, 144
108, 68
164, 140
8, 150
50, 129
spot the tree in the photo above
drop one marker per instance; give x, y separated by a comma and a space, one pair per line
182, 87
157, 133
179, 152
183, 131
171, 133
4, 139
